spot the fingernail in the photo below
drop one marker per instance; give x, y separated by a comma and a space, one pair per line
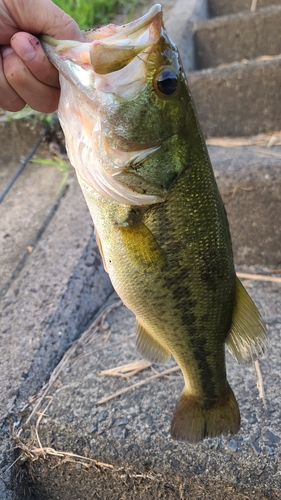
6, 51
27, 48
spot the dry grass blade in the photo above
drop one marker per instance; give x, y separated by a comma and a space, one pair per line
14, 462
260, 385
40, 415
254, 5
270, 153
266, 140
259, 277
227, 142
34, 453
128, 370
85, 339
101, 348
137, 384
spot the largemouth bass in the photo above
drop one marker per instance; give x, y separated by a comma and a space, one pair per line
135, 142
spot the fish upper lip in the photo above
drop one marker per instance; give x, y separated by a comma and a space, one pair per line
102, 49
133, 27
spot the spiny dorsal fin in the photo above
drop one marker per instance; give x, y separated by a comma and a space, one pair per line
149, 348
247, 338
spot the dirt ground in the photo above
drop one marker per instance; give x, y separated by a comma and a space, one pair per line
69, 481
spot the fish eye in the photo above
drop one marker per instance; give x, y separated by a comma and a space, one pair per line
167, 82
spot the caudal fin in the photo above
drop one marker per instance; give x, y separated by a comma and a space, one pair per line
193, 421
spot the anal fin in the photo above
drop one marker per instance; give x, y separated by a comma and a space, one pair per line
149, 348
247, 338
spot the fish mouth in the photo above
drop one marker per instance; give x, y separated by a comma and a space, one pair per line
113, 60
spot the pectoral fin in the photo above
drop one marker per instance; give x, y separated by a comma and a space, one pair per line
247, 337
149, 348
141, 245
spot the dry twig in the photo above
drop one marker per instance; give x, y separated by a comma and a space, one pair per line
260, 385
137, 384
254, 5
259, 277
33, 453
266, 140
270, 153
128, 370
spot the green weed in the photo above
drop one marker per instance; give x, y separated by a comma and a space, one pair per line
63, 166
89, 12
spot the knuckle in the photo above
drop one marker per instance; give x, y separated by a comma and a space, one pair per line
12, 105
15, 73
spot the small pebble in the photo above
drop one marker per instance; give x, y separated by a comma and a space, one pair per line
256, 448
102, 416
119, 432
269, 450
271, 438
233, 445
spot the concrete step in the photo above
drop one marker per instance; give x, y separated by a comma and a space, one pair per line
250, 184
223, 7
238, 99
237, 92
245, 35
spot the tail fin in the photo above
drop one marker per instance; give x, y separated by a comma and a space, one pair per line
192, 421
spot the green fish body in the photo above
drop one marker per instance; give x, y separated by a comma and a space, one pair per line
133, 137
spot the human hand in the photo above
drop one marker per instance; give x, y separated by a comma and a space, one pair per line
26, 74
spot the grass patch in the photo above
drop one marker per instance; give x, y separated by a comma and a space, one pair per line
87, 13
63, 166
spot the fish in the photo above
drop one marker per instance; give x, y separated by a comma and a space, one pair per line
133, 136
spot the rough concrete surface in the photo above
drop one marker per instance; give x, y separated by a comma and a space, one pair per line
239, 99
248, 34
38, 303
131, 432
223, 7
250, 183
28, 204
240, 96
